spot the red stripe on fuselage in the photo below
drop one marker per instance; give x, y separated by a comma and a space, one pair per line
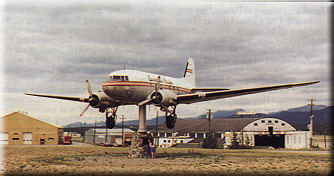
145, 84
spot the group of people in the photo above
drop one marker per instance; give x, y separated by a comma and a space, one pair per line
149, 147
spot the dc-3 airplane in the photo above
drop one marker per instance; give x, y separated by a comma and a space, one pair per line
131, 87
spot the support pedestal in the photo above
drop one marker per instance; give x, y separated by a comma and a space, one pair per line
137, 150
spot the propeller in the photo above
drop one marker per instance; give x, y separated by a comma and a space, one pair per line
157, 88
91, 99
155, 95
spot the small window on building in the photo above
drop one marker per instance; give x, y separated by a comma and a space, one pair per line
16, 133
283, 124
218, 135
162, 135
276, 121
165, 141
51, 139
269, 121
200, 135
263, 121
255, 124
168, 141
169, 134
181, 141
16, 139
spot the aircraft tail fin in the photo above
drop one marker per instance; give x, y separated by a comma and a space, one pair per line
189, 72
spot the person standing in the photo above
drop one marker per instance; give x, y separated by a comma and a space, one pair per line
152, 148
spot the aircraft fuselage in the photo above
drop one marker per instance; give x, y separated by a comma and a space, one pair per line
132, 87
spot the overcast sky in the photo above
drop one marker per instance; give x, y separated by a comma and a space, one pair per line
53, 48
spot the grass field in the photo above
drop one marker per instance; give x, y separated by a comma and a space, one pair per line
93, 160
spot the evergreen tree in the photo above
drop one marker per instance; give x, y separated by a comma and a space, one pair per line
211, 140
235, 144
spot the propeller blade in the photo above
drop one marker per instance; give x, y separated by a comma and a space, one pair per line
145, 102
89, 88
85, 110
158, 84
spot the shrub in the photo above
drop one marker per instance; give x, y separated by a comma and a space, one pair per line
210, 141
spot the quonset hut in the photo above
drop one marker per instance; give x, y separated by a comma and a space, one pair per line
258, 131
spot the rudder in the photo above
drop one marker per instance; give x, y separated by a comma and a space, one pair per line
189, 72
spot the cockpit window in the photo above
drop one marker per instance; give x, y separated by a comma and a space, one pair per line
119, 78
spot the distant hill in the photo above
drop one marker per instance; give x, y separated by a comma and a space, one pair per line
303, 109
322, 119
221, 114
298, 117
150, 122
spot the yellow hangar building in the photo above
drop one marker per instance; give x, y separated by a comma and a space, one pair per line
21, 129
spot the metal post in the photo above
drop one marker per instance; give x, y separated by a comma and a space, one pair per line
142, 119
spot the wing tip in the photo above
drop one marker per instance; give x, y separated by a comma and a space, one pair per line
314, 82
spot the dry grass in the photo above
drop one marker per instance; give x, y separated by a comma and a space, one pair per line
92, 160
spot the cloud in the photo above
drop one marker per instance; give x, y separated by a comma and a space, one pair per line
55, 48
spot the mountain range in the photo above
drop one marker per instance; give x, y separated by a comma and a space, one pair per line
298, 117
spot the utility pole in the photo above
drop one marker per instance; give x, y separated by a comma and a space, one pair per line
94, 133
84, 134
106, 140
311, 117
209, 118
156, 129
123, 129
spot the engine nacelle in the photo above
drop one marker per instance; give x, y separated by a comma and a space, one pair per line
164, 97
101, 100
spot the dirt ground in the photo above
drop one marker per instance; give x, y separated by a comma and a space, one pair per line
93, 160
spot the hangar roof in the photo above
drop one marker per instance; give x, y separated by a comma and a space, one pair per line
184, 126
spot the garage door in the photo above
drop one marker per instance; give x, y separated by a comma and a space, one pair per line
27, 138
276, 141
3, 138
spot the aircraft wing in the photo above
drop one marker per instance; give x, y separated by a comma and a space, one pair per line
207, 89
205, 96
60, 97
